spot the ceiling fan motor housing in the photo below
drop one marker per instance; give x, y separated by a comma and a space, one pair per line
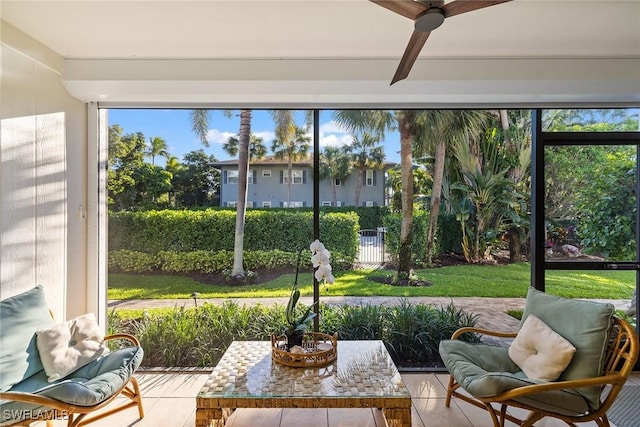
431, 19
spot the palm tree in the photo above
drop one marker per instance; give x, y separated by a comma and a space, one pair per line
377, 121
365, 155
157, 147
439, 129
335, 164
257, 149
292, 143
200, 126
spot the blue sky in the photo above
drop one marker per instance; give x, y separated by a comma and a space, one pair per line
174, 127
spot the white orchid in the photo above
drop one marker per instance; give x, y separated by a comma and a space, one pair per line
320, 258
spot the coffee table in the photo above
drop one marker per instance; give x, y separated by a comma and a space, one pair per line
363, 376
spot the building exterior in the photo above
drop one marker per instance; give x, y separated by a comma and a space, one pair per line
268, 185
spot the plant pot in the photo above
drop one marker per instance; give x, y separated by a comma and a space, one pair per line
294, 338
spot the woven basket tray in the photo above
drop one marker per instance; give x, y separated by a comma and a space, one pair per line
320, 350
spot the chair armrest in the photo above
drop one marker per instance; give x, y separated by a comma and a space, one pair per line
127, 337
558, 385
471, 329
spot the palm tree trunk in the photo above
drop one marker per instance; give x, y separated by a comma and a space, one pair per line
333, 191
406, 176
290, 166
241, 207
436, 193
358, 187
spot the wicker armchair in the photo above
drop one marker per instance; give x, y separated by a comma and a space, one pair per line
483, 375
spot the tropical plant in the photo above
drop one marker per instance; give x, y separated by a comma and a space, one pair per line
365, 155
291, 143
377, 122
438, 131
157, 147
257, 149
334, 165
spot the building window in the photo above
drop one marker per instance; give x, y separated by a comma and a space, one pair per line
338, 203
337, 182
296, 174
249, 204
266, 173
369, 203
293, 204
232, 177
326, 203
369, 181
232, 204
266, 204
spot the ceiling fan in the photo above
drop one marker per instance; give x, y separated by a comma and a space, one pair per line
427, 15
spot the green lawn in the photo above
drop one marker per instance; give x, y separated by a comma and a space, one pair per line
456, 281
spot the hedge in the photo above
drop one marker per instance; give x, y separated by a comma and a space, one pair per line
206, 262
213, 230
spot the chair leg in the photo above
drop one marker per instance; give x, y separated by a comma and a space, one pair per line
447, 402
532, 418
603, 421
494, 416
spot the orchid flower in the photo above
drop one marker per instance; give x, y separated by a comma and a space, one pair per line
320, 258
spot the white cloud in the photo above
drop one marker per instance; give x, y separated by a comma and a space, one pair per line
332, 127
266, 135
218, 137
335, 140
332, 134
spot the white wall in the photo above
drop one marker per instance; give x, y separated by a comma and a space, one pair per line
43, 139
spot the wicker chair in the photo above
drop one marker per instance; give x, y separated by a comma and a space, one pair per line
495, 388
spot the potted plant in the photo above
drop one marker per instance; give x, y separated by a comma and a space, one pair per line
298, 324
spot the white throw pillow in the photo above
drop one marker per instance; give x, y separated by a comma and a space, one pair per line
540, 352
70, 345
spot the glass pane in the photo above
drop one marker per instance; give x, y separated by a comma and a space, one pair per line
595, 120
590, 203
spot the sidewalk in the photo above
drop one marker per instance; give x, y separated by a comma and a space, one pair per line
490, 311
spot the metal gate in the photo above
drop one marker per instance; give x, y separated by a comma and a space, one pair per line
372, 252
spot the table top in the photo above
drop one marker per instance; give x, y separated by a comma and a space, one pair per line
363, 369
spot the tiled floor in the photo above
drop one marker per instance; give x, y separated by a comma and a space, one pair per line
169, 401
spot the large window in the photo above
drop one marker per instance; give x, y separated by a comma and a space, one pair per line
584, 201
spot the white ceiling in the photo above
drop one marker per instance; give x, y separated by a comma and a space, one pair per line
323, 32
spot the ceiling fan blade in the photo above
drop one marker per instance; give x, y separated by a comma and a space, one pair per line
462, 6
407, 8
416, 42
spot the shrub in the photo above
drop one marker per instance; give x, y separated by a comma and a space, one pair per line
213, 230
207, 262
126, 261
419, 235
198, 337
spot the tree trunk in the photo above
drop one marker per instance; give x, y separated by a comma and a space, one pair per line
436, 193
406, 176
358, 187
241, 207
515, 252
290, 169
333, 191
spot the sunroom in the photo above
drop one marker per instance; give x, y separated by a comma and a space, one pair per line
65, 63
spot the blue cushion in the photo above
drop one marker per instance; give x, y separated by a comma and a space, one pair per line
585, 324
485, 370
88, 386
20, 317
